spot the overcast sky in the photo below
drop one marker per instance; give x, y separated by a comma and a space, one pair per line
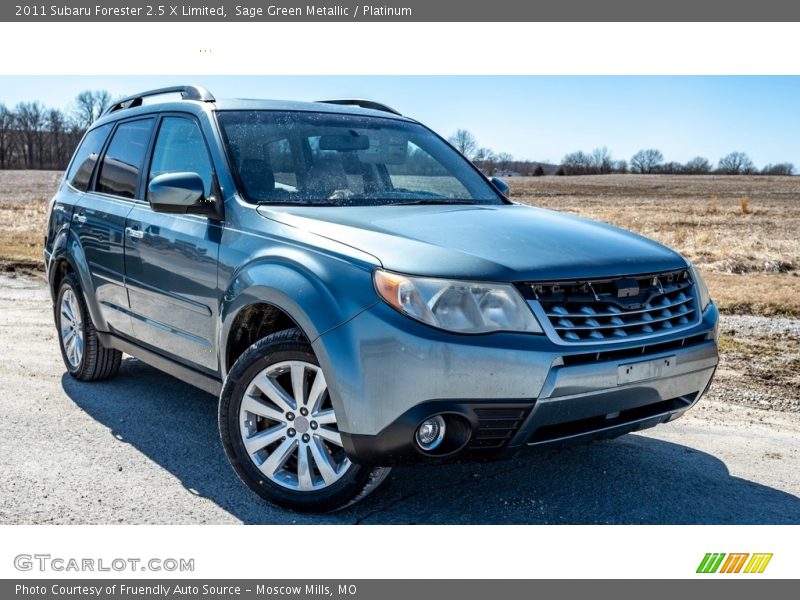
532, 117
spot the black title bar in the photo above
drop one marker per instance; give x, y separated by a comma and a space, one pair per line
151, 11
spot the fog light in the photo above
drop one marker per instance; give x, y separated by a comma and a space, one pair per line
430, 433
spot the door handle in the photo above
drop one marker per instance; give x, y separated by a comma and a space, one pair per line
134, 233
79, 218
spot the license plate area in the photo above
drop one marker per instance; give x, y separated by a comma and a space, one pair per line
644, 370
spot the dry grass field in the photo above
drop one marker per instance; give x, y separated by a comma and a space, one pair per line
743, 232
24, 196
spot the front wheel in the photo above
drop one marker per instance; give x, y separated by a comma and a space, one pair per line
280, 430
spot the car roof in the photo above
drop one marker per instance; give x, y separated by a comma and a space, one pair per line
197, 107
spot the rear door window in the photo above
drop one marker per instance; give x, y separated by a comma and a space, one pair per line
122, 163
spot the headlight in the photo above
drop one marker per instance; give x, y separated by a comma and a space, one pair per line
702, 289
459, 306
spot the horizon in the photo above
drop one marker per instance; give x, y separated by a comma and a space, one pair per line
535, 118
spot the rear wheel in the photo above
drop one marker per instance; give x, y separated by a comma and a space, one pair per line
84, 356
280, 430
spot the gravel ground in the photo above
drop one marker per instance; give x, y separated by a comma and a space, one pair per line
143, 448
762, 326
760, 363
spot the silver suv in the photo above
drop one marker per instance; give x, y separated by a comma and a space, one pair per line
357, 293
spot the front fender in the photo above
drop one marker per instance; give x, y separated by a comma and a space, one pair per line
316, 301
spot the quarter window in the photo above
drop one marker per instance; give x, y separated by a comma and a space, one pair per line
82, 167
122, 163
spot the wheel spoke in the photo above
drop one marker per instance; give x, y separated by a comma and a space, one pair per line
325, 417
323, 461
262, 439
67, 337
329, 435
66, 310
304, 469
318, 389
278, 457
78, 347
71, 352
272, 391
259, 408
298, 371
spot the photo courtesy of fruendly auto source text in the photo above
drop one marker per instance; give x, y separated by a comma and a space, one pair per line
406, 299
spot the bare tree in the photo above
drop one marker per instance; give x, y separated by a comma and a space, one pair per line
485, 159
646, 160
576, 163
464, 142
57, 132
670, 168
736, 163
620, 166
697, 166
6, 129
30, 121
89, 105
601, 161
504, 161
778, 169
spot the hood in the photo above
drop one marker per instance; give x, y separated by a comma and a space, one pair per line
497, 243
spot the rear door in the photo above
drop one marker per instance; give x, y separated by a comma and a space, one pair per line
99, 217
171, 259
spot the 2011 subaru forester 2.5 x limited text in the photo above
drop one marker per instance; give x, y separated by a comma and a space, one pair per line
357, 293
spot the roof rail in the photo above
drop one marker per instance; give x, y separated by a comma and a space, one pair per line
187, 92
363, 104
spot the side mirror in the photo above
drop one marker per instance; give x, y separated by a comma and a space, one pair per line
175, 192
500, 185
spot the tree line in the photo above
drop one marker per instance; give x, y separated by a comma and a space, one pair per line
34, 136
600, 162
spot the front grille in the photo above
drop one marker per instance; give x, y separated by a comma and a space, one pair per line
597, 310
496, 426
635, 352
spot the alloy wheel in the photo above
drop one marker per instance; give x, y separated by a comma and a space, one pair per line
288, 427
71, 328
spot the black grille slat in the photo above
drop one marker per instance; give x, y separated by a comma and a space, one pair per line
592, 357
496, 426
597, 310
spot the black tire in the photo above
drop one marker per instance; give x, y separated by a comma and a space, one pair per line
96, 362
356, 482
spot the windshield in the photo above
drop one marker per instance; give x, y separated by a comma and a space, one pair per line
346, 160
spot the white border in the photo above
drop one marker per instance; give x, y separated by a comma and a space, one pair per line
399, 48
394, 49
372, 552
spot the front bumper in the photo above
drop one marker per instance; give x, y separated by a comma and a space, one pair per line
388, 373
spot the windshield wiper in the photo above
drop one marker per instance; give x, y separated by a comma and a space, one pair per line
431, 201
294, 203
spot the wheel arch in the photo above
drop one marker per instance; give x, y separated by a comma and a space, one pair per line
268, 296
68, 257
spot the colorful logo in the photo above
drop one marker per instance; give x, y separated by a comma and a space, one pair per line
734, 563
